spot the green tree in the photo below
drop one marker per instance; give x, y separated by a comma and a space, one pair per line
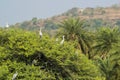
35, 58
73, 29
109, 65
107, 39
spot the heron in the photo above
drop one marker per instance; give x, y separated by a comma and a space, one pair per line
7, 25
56, 39
62, 40
40, 33
14, 76
34, 62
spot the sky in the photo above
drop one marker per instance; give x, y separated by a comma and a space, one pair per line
14, 11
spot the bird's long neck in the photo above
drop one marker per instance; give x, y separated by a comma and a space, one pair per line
63, 37
40, 29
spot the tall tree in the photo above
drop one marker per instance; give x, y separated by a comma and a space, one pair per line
109, 65
107, 39
73, 29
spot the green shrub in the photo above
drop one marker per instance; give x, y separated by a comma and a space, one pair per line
36, 58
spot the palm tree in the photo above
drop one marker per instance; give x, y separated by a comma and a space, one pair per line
108, 65
73, 29
107, 39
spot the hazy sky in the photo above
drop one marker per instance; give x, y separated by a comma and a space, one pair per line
13, 11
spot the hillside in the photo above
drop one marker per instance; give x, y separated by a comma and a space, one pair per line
96, 17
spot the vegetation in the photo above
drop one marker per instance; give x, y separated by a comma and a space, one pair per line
74, 30
84, 55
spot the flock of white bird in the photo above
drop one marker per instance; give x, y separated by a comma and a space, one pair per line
40, 33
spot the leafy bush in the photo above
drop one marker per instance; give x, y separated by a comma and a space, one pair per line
36, 58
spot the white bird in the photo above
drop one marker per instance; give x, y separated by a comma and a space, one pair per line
62, 40
56, 39
7, 25
81, 10
14, 76
40, 33
34, 62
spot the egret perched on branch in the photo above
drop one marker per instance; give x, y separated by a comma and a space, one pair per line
62, 40
40, 33
56, 39
14, 76
34, 62
7, 25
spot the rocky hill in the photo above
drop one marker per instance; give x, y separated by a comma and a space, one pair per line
100, 16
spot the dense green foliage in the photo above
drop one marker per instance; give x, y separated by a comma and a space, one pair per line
84, 55
101, 45
74, 30
36, 58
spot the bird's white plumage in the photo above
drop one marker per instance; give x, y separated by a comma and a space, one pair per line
62, 40
56, 39
40, 32
81, 10
7, 25
14, 76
